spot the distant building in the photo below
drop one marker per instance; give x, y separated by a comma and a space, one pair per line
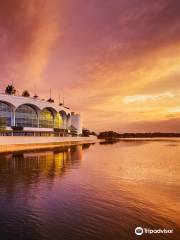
31, 116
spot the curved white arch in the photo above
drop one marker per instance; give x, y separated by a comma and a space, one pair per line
63, 113
52, 110
33, 106
16, 101
9, 104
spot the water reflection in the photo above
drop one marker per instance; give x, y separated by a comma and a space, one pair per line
98, 192
28, 168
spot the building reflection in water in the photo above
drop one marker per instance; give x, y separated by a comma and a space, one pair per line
26, 168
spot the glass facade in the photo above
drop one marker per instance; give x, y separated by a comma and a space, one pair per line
64, 119
46, 119
26, 116
58, 121
5, 114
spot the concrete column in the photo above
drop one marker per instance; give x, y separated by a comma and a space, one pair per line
13, 117
38, 116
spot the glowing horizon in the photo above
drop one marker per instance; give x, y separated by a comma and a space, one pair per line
115, 62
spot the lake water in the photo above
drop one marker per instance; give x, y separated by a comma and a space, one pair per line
100, 191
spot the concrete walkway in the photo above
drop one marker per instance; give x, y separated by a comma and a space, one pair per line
20, 143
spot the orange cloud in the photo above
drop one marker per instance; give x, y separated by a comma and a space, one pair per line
117, 62
29, 34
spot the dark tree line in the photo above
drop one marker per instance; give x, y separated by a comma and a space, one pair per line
112, 134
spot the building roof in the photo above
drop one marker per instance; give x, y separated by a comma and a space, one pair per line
16, 101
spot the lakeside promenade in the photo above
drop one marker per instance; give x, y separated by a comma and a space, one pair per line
21, 143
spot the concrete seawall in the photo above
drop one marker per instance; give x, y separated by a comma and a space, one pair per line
21, 143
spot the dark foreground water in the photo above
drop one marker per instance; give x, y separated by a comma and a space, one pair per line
91, 192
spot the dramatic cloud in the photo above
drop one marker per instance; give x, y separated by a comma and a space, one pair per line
28, 30
115, 61
146, 97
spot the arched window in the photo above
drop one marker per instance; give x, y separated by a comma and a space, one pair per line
64, 119
26, 116
46, 119
68, 120
5, 114
58, 121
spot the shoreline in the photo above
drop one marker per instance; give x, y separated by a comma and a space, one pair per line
149, 138
21, 143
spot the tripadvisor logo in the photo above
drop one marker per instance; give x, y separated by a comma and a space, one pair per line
139, 231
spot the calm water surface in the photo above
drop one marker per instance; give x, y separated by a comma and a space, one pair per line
91, 192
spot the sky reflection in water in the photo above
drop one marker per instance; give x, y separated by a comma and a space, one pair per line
91, 192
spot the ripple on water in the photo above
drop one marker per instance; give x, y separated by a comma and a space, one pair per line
103, 192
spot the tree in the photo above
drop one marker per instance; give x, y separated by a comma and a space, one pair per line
86, 132
25, 93
10, 90
50, 100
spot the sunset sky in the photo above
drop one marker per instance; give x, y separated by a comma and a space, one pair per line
116, 62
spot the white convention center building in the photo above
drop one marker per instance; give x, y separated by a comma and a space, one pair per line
29, 116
